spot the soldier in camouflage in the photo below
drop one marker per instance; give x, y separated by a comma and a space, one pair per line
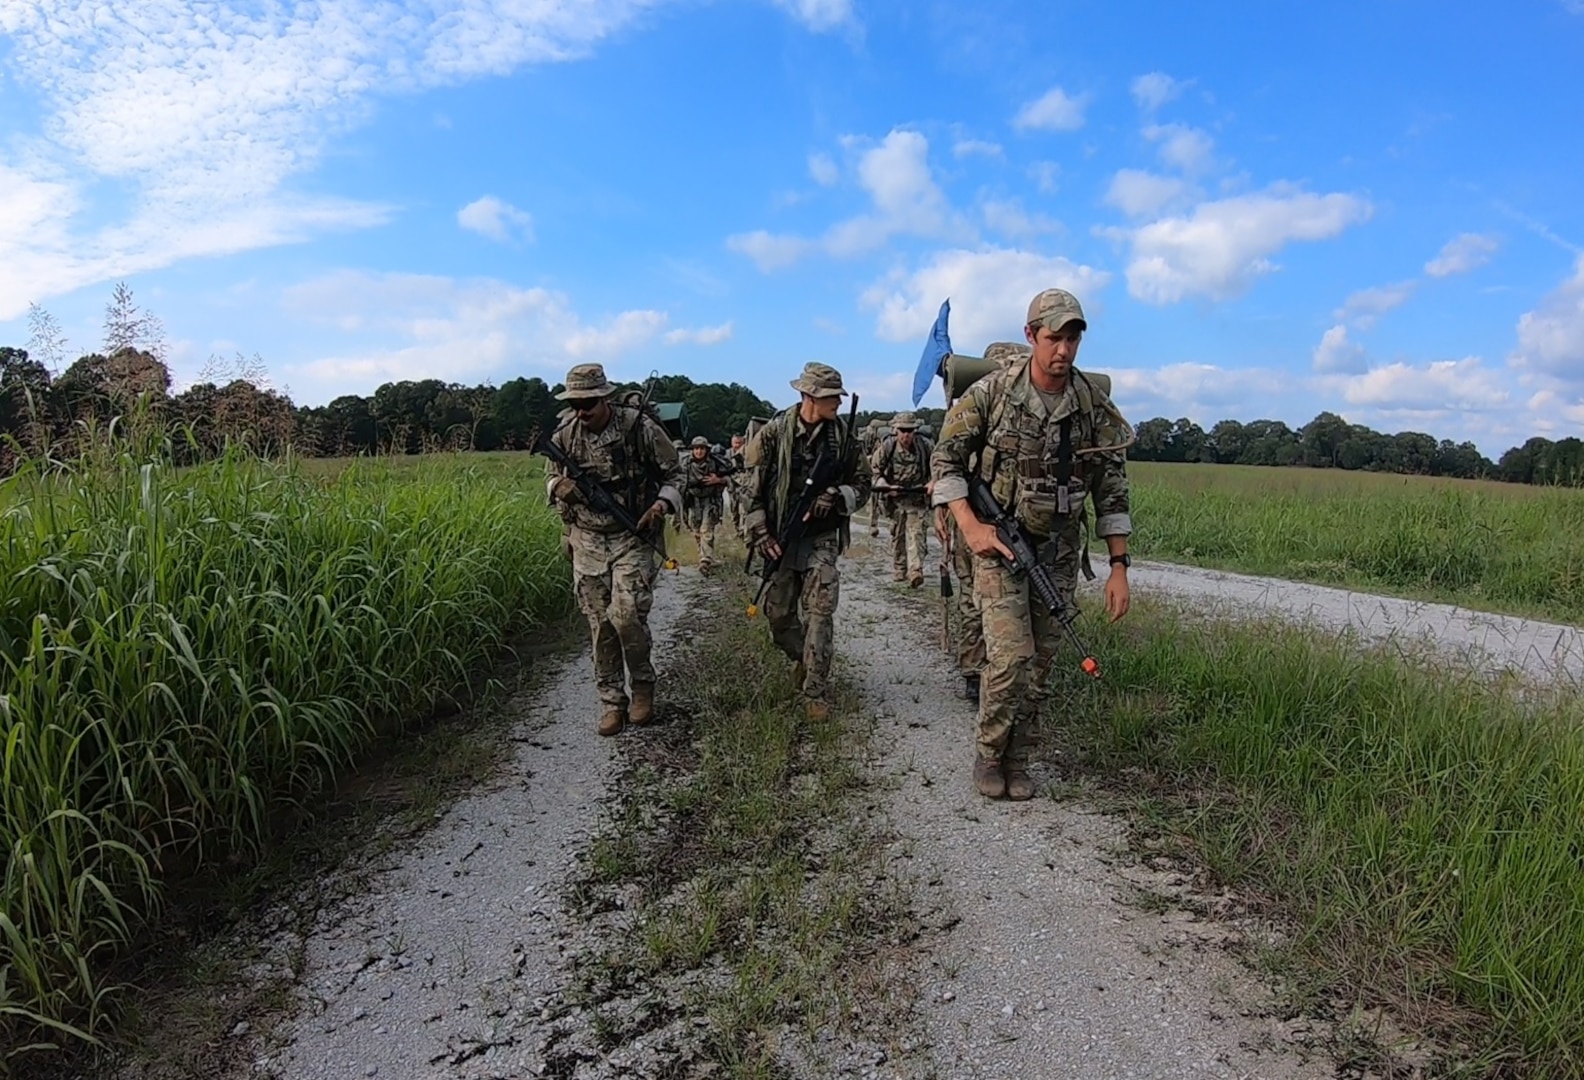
902, 461
800, 602
1044, 435
702, 487
869, 441
614, 570
734, 483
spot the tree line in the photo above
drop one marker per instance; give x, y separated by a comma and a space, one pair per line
47, 408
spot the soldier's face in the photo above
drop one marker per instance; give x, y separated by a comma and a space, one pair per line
1055, 350
699, 452
737, 442
822, 408
906, 439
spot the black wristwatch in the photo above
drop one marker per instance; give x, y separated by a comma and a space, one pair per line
1123, 559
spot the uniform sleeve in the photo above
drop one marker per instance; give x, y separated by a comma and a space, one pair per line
1110, 488
962, 436
553, 471
669, 464
758, 456
860, 480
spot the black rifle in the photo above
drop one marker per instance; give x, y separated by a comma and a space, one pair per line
1026, 562
826, 468
597, 497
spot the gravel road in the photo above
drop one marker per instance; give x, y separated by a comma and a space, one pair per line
450, 965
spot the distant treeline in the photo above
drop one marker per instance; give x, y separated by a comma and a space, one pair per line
42, 411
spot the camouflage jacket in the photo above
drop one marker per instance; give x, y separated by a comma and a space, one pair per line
1003, 419
779, 458
694, 489
632, 458
895, 464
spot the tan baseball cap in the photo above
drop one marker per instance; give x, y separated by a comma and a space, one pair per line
1054, 309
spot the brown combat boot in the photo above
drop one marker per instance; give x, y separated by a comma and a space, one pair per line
1018, 784
641, 711
915, 580
612, 721
988, 778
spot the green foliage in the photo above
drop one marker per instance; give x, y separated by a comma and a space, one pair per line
184, 650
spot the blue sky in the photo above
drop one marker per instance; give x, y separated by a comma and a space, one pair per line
1266, 210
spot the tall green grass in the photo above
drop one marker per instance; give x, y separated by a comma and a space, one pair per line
1422, 826
1487, 545
186, 651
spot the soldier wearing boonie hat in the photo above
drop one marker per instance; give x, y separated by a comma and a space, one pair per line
1043, 436
613, 570
701, 500
902, 460
800, 601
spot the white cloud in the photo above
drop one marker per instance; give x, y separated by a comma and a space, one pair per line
1155, 89
704, 335
1551, 337
971, 147
1182, 147
1440, 386
907, 201
1364, 308
496, 219
1053, 111
414, 326
1461, 254
1007, 217
823, 169
202, 113
1223, 246
989, 290
1138, 193
819, 15
1336, 353
1045, 175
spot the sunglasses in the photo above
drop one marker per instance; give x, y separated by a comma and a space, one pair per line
584, 404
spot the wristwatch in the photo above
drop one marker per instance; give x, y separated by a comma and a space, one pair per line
1123, 559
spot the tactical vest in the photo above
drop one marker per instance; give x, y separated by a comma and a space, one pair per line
1030, 467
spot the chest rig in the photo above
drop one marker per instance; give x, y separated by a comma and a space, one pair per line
1031, 462
629, 474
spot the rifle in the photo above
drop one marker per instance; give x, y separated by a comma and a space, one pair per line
1026, 562
825, 469
946, 592
597, 497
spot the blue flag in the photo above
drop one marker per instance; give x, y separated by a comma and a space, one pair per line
937, 348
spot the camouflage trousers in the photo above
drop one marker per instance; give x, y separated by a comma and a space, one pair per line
702, 520
970, 630
874, 514
800, 607
909, 539
614, 577
1021, 640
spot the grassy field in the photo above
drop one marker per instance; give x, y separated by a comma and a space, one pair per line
1506, 547
1418, 828
187, 651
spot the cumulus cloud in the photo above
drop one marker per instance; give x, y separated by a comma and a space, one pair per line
1364, 308
1155, 89
976, 147
1551, 337
1054, 110
1336, 353
1219, 249
1466, 385
1046, 176
819, 15
704, 335
1183, 147
823, 169
989, 290
496, 219
1138, 193
1461, 254
417, 326
906, 201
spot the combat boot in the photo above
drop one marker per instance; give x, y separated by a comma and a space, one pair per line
642, 709
988, 778
1018, 784
915, 580
612, 721
971, 687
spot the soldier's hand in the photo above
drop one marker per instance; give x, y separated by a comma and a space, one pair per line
652, 515
1118, 595
566, 490
983, 540
823, 505
765, 544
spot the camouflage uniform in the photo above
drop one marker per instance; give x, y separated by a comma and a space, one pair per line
868, 441
736, 492
701, 502
613, 570
970, 634
904, 467
1004, 421
800, 602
